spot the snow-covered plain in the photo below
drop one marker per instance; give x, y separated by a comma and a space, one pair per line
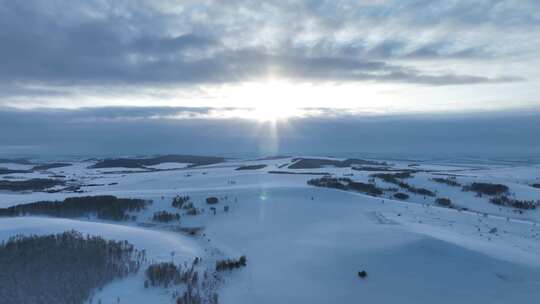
306, 244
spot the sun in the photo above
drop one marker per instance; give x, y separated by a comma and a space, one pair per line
269, 101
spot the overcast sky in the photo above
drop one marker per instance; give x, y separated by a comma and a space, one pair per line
99, 64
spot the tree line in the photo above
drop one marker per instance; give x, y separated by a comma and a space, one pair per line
395, 178
345, 184
62, 268
106, 207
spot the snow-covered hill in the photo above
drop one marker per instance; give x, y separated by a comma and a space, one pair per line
306, 244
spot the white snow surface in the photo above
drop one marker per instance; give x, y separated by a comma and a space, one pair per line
306, 244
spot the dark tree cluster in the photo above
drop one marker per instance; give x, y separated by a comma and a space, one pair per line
193, 296
315, 163
19, 161
212, 200
392, 178
190, 208
250, 167
44, 167
345, 184
229, 264
105, 207
486, 188
419, 191
142, 162
371, 168
165, 217
504, 200
330, 182
401, 196
190, 296
445, 202
34, 184
190, 230
536, 186
179, 201
10, 171
370, 189
166, 274
71, 188
450, 181
62, 268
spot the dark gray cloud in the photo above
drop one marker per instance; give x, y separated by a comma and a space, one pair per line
134, 131
111, 43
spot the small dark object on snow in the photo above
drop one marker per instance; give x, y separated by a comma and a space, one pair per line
493, 230
362, 274
212, 200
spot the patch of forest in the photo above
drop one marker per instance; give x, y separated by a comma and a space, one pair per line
504, 200
34, 184
142, 162
198, 287
486, 188
392, 178
62, 268
401, 196
345, 184
449, 181
251, 167
106, 207
445, 202
166, 274
165, 217
179, 201
50, 166
395, 178
377, 168
13, 171
317, 163
231, 264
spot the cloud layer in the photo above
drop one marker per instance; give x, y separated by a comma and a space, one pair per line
50, 46
117, 131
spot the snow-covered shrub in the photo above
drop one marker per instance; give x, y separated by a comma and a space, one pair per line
362, 274
401, 196
445, 202
223, 265
212, 200
179, 201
